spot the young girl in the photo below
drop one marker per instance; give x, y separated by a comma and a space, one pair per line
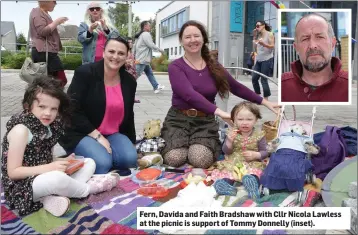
245, 146
30, 176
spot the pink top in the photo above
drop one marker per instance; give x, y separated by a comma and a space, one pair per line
101, 40
114, 113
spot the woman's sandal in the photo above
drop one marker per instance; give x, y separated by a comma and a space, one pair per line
56, 205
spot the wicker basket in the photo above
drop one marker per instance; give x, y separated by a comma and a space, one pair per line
271, 127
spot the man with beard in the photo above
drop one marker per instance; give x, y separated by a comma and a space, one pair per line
316, 76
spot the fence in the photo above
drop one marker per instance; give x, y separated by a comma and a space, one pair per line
66, 50
288, 53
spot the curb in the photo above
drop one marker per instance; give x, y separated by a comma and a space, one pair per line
67, 71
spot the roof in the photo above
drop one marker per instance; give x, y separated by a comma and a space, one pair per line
164, 7
71, 31
7, 26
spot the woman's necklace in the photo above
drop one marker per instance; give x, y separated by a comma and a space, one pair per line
201, 66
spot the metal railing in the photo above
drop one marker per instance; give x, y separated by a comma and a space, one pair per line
273, 80
65, 49
288, 53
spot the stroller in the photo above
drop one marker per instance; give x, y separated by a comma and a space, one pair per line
284, 124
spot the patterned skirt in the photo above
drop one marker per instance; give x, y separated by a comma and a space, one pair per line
180, 131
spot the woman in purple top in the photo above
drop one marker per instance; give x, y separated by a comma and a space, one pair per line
190, 129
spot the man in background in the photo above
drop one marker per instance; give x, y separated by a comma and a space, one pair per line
142, 51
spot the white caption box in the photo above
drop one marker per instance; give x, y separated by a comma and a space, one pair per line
244, 218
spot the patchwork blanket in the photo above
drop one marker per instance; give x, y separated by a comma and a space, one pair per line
114, 212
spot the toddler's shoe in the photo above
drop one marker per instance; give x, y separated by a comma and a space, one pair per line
56, 205
222, 187
251, 185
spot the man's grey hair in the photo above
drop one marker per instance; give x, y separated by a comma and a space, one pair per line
330, 28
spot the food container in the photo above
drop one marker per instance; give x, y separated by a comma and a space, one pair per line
196, 175
74, 166
153, 189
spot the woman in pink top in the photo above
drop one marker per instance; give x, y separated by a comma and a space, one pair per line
102, 125
94, 32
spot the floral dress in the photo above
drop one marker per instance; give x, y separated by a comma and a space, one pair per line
19, 193
250, 143
241, 144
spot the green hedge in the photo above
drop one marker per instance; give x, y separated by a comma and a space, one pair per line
71, 62
15, 60
12, 60
160, 64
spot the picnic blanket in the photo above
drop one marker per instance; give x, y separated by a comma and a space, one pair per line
114, 212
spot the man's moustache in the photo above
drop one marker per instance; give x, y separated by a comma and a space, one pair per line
314, 52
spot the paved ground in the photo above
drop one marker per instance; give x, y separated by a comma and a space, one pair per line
156, 105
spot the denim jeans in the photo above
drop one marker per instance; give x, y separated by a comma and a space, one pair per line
124, 154
149, 72
263, 67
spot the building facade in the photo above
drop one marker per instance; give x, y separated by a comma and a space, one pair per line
171, 17
8, 35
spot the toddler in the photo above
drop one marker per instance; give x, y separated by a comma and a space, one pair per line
245, 146
31, 177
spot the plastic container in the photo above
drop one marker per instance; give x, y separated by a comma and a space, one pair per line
153, 189
74, 166
148, 180
196, 175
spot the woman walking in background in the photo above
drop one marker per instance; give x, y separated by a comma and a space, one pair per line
44, 36
264, 44
94, 32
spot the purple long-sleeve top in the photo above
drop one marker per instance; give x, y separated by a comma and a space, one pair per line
190, 90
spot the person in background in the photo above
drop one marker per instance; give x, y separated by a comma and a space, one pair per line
250, 62
42, 29
130, 64
142, 51
190, 129
264, 45
102, 123
94, 32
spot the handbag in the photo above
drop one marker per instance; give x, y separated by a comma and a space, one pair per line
30, 70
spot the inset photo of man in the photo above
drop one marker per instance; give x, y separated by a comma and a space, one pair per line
315, 56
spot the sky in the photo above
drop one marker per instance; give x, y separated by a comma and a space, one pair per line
19, 12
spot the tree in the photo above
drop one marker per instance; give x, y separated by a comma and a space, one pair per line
20, 39
152, 27
136, 25
119, 16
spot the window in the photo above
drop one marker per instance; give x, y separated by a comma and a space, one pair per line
216, 45
176, 51
180, 50
173, 23
171, 51
166, 51
180, 19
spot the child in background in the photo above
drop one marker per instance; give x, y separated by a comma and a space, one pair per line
31, 178
246, 146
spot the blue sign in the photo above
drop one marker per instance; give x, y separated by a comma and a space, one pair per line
236, 16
